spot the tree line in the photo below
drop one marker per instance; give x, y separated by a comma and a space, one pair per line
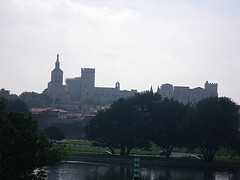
32, 99
146, 118
43, 100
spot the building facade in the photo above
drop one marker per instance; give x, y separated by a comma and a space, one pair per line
186, 95
83, 87
56, 90
80, 88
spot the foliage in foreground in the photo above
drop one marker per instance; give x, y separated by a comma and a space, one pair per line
23, 153
216, 125
54, 133
123, 125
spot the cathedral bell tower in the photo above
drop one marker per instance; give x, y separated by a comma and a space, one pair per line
56, 90
57, 74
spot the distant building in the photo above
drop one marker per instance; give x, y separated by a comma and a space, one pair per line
187, 95
48, 116
56, 90
166, 91
80, 88
181, 94
83, 87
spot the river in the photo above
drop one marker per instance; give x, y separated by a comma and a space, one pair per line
77, 170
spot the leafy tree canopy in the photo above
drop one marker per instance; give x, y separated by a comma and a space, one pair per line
124, 125
215, 124
15, 105
54, 133
35, 100
6, 93
168, 116
134, 122
22, 151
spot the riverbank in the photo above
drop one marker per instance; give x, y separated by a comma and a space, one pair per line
155, 162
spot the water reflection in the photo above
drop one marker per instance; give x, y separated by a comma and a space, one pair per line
113, 172
88, 171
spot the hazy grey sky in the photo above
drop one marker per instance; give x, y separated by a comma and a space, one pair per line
136, 42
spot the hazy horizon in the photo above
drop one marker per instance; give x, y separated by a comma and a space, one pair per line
138, 43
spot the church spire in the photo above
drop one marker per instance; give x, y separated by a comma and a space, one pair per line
57, 64
151, 89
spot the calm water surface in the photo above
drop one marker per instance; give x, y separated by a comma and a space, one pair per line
92, 171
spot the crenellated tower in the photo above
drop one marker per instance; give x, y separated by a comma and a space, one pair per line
211, 89
87, 83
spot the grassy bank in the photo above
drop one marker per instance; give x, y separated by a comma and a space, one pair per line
218, 159
87, 148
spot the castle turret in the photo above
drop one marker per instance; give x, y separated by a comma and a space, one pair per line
87, 83
117, 86
211, 89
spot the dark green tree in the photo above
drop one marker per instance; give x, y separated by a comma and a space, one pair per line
35, 100
144, 104
112, 128
22, 151
54, 133
6, 94
101, 130
15, 105
168, 117
190, 131
123, 120
124, 125
216, 125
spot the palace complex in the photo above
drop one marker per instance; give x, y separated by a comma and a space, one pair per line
80, 88
186, 95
